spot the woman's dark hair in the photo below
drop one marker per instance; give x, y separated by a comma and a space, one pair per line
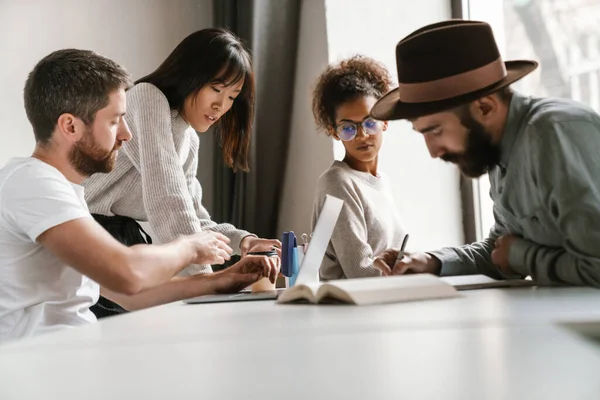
350, 79
212, 56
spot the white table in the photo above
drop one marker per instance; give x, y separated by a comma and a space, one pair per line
488, 344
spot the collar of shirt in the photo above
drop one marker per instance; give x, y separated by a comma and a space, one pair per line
519, 105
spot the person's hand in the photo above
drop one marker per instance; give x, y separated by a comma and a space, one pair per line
254, 244
210, 247
417, 263
381, 265
501, 252
246, 272
388, 257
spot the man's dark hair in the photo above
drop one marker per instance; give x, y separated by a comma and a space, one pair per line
464, 113
505, 94
72, 81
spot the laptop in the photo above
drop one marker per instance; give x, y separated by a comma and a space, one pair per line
244, 295
308, 271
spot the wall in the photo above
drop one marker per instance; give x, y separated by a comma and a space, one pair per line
491, 12
310, 153
139, 34
426, 190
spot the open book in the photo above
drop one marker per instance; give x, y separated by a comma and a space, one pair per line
365, 291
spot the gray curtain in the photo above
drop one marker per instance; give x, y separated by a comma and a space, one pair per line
270, 30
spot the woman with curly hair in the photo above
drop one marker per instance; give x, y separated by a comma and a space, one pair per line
369, 222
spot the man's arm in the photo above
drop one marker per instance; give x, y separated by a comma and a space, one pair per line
472, 258
567, 171
38, 202
241, 275
85, 246
178, 288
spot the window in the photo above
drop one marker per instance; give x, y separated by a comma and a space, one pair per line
563, 36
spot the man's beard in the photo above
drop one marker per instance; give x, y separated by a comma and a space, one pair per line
481, 155
88, 157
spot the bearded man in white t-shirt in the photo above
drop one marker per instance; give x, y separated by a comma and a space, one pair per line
53, 255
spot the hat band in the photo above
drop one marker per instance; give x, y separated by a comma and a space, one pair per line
453, 86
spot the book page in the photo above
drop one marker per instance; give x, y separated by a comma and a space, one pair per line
306, 292
331, 294
391, 289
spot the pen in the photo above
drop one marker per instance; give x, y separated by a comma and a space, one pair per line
270, 253
401, 252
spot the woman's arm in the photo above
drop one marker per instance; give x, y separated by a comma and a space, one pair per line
165, 195
191, 169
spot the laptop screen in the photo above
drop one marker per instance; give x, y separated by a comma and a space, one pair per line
309, 270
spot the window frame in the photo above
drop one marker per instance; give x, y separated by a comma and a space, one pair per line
470, 189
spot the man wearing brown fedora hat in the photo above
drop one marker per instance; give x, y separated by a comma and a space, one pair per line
542, 156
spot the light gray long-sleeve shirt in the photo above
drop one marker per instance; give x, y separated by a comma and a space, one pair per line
154, 178
546, 191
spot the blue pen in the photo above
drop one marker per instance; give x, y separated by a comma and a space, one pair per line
294, 262
285, 254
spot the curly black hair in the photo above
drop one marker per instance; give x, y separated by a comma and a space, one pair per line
352, 78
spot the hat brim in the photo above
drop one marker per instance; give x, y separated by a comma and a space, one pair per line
389, 107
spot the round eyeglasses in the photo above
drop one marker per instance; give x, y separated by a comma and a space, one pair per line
348, 130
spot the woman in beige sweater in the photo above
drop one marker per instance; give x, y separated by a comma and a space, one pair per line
369, 222
207, 80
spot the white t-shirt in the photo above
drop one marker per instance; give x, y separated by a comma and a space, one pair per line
38, 292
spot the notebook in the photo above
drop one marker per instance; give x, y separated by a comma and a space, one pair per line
240, 296
472, 282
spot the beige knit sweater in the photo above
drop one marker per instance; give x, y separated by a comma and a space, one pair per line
154, 178
369, 222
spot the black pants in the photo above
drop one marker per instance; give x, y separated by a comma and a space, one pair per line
127, 231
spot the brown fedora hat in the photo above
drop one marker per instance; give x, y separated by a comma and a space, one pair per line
445, 65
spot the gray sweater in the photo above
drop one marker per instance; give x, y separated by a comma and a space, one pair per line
546, 191
368, 224
154, 178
